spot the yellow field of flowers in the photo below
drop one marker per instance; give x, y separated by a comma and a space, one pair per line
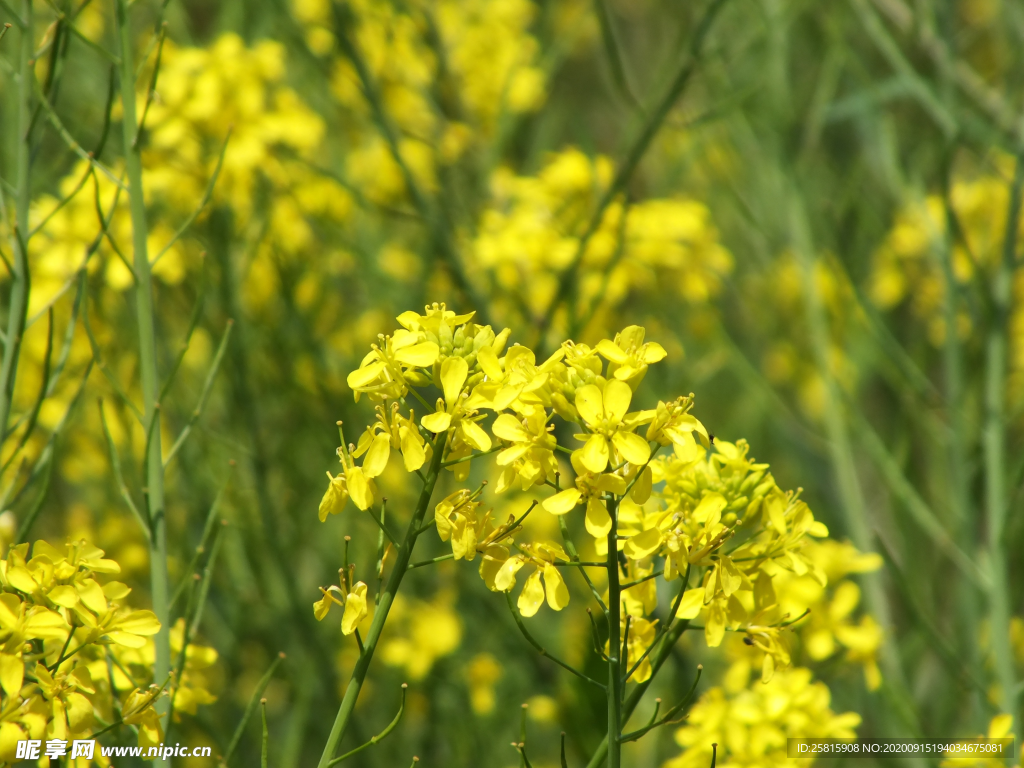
303, 303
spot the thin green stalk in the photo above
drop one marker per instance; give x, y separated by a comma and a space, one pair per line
633, 700
18, 302
841, 451
251, 707
147, 355
994, 439
614, 692
636, 153
966, 595
431, 211
380, 736
613, 51
398, 571
918, 508
264, 742
892, 53
541, 650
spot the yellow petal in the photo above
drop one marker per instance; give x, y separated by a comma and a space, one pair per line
419, 355
376, 460
508, 427
79, 711
83, 679
362, 377
12, 673
714, 629
532, 596
594, 455
453, 375
334, 498
505, 578
641, 490
355, 609
437, 422
45, 624
463, 540
140, 623
512, 453
776, 514
598, 521
322, 607
127, 639
610, 484
555, 589
632, 447
115, 590
692, 602
10, 608
653, 352
711, 585
150, 732
617, 395
10, 735
489, 363
764, 592
413, 452
92, 595
360, 487
767, 668
64, 596
506, 396
562, 502
590, 404
643, 544
611, 351
999, 727
493, 558
474, 434
19, 577
730, 576
709, 511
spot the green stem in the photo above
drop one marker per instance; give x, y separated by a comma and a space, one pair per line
614, 692
18, 305
250, 708
633, 700
994, 438
636, 153
431, 210
966, 594
404, 554
541, 650
147, 355
841, 453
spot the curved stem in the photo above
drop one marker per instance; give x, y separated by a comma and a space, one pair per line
18, 301
375, 739
540, 648
147, 355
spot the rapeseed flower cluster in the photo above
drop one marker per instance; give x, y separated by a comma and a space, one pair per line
750, 724
531, 231
75, 658
743, 556
908, 269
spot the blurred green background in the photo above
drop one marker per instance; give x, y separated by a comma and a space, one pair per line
814, 207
